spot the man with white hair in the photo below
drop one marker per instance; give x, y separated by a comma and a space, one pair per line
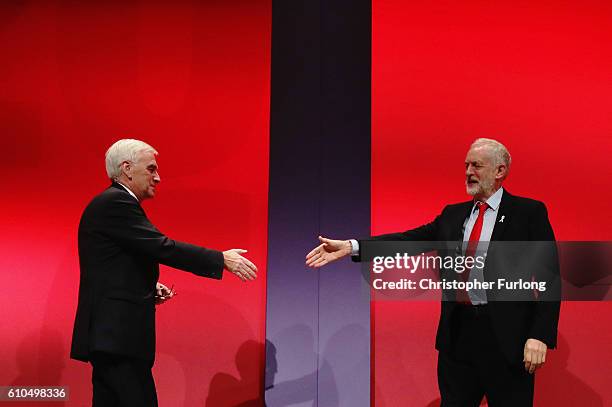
485, 347
119, 252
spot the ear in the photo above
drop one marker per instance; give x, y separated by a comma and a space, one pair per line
126, 168
502, 172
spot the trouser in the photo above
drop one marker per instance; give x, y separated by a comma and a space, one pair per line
476, 367
121, 381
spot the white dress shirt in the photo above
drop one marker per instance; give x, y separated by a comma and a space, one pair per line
479, 296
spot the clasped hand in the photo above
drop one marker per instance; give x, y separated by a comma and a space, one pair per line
163, 293
534, 354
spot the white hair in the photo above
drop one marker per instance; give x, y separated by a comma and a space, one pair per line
121, 151
500, 152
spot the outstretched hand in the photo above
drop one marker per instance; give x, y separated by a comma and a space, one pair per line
329, 250
239, 265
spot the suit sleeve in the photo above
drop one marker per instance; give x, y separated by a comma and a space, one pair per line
547, 307
424, 233
128, 226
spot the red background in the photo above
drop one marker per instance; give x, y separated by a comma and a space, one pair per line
192, 79
534, 75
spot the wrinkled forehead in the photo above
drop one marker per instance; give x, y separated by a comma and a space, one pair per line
146, 157
482, 153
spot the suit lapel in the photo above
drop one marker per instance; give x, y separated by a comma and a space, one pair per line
504, 216
458, 219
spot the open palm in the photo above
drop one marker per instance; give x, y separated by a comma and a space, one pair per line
329, 250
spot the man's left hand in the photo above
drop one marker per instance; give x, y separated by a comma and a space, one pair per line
163, 293
534, 355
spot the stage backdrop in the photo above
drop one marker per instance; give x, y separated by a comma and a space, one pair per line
536, 76
192, 79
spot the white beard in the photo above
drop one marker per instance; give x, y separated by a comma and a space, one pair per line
479, 189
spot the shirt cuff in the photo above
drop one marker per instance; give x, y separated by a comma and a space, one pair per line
354, 247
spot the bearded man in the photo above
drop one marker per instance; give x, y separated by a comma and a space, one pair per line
485, 347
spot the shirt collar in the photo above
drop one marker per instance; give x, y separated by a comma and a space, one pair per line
494, 200
127, 189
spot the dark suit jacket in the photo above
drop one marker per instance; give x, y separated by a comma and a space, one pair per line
119, 253
513, 322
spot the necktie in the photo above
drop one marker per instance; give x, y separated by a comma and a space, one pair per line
462, 295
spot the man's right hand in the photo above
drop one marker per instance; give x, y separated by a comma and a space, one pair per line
329, 250
240, 266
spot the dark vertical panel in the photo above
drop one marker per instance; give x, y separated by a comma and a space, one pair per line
344, 318
292, 299
318, 321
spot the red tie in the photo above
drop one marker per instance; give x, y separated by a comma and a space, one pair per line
462, 295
